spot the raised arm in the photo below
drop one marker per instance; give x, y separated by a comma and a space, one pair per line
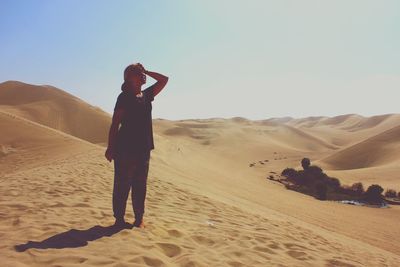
161, 80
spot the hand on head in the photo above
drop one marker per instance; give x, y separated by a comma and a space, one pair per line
141, 66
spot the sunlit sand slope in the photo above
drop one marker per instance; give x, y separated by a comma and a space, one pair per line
64, 209
55, 108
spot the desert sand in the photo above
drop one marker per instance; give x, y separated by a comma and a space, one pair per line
205, 205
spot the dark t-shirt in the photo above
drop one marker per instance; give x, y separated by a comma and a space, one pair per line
135, 136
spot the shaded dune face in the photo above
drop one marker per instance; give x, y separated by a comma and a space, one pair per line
25, 144
55, 108
378, 150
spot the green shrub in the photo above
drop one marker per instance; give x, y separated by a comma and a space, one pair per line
313, 181
289, 173
315, 170
305, 162
358, 188
374, 193
390, 193
321, 190
333, 182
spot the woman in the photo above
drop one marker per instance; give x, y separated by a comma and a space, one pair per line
130, 145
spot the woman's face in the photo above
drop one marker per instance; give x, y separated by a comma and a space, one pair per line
137, 79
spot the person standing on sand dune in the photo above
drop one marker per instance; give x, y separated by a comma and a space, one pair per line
131, 144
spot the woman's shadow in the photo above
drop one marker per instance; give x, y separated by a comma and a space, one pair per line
73, 238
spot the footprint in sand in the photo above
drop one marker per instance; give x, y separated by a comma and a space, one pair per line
264, 249
337, 263
294, 246
169, 249
235, 264
203, 240
16, 222
175, 233
153, 262
237, 253
274, 245
300, 255
148, 261
297, 251
82, 205
262, 239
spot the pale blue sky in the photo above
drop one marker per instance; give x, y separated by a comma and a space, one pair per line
254, 59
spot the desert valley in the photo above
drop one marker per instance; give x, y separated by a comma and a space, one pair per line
209, 200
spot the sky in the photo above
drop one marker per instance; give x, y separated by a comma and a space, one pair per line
255, 59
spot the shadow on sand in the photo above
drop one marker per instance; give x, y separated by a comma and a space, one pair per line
72, 238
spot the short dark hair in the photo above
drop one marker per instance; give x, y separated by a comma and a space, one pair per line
132, 69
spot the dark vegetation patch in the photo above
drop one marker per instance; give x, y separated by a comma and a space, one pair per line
311, 180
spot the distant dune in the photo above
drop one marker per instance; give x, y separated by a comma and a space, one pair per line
381, 149
55, 108
209, 202
337, 121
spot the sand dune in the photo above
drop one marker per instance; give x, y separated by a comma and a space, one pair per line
55, 108
374, 160
346, 130
223, 173
349, 122
381, 149
67, 224
280, 136
25, 144
209, 202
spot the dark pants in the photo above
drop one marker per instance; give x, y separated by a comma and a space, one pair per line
130, 172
